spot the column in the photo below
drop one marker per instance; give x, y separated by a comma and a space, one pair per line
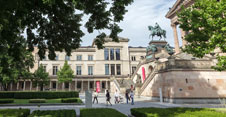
69, 86
63, 86
88, 84
56, 85
24, 85
106, 84
176, 42
50, 85
184, 42
30, 85
82, 86
94, 85
37, 87
100, 85
76, 85
11, 86
17, 86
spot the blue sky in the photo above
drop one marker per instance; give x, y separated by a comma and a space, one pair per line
140, 15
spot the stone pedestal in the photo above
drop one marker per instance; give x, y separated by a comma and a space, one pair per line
88, 99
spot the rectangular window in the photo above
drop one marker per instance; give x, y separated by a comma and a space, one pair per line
67, 58
133, 58
66, 85
55, 69
112, 69
133, 69
79, 57
54, 85
90, 70
78, 70
106, 54
79, 84
118, 68
106, 69
90, 85
103, 85
90, 57
57, 57
112, 54
117, 52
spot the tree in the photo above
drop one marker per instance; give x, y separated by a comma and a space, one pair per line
65, 74
15, 62
41, 77
206, 23
54, 25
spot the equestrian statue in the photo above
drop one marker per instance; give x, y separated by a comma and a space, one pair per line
157, 31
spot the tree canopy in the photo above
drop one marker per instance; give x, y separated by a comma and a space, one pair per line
206, 23
65, 74
41, 77
54, 25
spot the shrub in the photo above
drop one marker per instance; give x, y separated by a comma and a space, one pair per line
69, 100
53, 113
40, 94
37, 101
172, 112
4, 101
100, 112
14, 112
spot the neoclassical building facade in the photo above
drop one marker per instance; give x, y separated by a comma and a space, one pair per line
93, 68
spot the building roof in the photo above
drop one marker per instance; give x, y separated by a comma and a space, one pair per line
108, 39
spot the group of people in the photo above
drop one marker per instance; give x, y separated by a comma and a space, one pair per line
129, 95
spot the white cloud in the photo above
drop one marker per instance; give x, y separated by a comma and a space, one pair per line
141, 14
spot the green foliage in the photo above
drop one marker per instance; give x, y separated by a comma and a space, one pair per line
14, 112
65, 74
206, 24
57, 22
100, 112
35, 95
37, 101
4, 101
53, 113
70, 100
41, 77
176, 112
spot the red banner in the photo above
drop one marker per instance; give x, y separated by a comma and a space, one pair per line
98, 86
143, 73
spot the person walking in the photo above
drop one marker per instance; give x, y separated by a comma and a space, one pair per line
108, 98
95, 97
132, 97
127, 97
116, 97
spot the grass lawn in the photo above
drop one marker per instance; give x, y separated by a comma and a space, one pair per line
100, 112
48, 101
178, 112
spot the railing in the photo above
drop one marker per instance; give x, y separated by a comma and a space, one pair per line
148, 79
116, 84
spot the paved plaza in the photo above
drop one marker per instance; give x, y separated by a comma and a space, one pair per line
122, 107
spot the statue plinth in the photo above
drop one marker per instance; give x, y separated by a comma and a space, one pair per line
157, 43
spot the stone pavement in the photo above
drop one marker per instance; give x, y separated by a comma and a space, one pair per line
123, 107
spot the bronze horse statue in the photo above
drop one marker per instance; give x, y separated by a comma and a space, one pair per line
157, 31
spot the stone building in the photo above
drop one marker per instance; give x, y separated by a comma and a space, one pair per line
93, 68
179, 78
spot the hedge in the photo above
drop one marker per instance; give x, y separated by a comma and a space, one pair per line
53, 113
69, 100
14, 112
4, 101
178, 112
39, 94
37, 101
100, 112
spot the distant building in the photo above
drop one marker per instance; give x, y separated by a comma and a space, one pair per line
92, 67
